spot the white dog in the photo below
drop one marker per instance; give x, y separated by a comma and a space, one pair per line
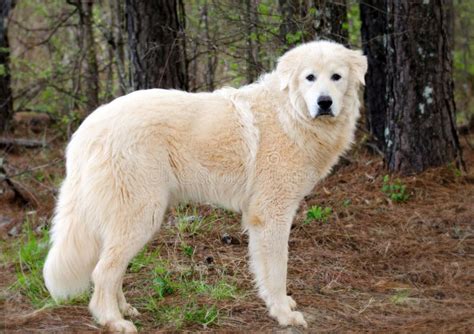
257, 150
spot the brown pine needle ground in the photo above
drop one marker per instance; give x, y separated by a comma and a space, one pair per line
373, 264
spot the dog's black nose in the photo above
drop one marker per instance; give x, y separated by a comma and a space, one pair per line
325, 102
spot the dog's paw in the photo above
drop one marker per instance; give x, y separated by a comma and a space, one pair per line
286, 317
121, 326
129, 311
291, 302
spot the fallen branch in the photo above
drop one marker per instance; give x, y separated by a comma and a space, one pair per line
21, 192
27, 143
373, 146
32, 169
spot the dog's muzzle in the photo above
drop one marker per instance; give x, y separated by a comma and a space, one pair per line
324, 103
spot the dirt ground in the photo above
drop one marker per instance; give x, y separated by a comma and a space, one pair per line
375, 265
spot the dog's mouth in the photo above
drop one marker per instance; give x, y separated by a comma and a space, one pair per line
322, 112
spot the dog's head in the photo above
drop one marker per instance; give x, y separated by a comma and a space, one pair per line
319, 75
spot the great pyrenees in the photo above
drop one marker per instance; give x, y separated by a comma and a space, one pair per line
257, 150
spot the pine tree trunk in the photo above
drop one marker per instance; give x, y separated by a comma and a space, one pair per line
91, 74
6, 99
117, 29
211, 53
111, 46
251, 20
373, 32
156, 37
289, 30
421, 127
331, 21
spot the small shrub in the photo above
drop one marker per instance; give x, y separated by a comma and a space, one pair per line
318, 213
395, 190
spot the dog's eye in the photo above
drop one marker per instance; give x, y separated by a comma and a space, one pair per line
335, 77
311, 77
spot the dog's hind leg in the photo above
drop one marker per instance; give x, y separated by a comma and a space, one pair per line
121, 243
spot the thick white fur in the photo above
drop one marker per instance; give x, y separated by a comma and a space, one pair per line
257, 150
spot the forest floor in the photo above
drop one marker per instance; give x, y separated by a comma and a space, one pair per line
375, 253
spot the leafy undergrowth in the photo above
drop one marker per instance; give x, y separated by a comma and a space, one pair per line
367, 252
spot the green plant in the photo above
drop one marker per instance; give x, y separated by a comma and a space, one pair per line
143, 260
400, 297
187, 249
29, 268
318, 213
189, 222
455, 170
177, 317
395, 190
163, 284
201, 314
221, 290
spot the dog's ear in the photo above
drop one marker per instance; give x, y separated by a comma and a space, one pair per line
358, 63
284, 70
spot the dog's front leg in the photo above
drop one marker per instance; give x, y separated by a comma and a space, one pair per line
268, 248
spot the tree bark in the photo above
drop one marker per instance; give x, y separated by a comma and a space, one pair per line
156, 42
290, 16
211, 52
91, 74
374, 33
331, 21
6, 98
118, 30
421, 127
251, 20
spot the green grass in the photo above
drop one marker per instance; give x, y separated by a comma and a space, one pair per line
179, 316
190, 222
455, 170
143, 260
318, 214
177, 296
32, 251
221, 290
395, 190
185, 284
171, 312
187, 250
27, 254
401, 297
163, 284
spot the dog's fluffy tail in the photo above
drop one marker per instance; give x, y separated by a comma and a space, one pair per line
74, 252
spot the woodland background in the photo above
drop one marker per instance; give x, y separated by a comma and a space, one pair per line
386, 242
